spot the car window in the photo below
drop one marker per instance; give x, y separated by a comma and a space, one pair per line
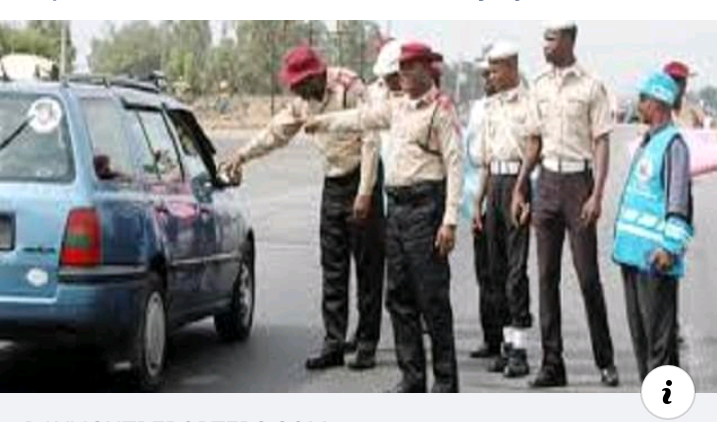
195, 165
184, 133
146, 159
161, 144
34, 151
111, 154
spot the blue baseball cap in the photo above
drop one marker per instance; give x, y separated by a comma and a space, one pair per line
661, 87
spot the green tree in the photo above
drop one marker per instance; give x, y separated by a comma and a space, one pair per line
262, 44
355, 45
224, 65
42, 38
52, 32
135, 49
186, 56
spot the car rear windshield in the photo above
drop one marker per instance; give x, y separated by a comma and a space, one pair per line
34, 148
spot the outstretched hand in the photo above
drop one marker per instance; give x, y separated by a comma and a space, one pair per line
232, 170
311, 125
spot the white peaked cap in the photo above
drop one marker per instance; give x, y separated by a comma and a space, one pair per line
502, 50
559, 25
387, 60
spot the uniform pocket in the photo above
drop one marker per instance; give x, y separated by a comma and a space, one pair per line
576, 107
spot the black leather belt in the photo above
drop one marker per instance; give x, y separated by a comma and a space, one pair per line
411, 193
347, 178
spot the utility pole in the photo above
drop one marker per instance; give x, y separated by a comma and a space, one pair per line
311, 34
273, 66
362, 48
339, 36
63, 41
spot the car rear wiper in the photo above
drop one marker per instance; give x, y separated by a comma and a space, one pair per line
5, 142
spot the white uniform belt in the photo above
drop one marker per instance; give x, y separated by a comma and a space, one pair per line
505, 168
561, 165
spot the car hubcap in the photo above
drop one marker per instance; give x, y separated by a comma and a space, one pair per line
154, 335
246, 295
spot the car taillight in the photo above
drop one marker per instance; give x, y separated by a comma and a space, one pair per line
82, 245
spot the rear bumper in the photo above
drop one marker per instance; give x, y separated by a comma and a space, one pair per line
87, 308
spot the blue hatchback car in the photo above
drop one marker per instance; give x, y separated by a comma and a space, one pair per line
115, 227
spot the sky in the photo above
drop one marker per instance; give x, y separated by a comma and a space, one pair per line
620, 52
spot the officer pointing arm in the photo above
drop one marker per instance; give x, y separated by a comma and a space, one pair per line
443, 131
423, 185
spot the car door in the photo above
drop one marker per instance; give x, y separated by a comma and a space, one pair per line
178, 211
223, 265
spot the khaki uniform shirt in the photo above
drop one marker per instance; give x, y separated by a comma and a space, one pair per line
573, 110
425, 141
380, 93
509, 122
342, 152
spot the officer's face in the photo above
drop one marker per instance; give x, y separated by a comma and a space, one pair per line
557, 45
310, 88
501, 74
647, 108
393, 82
415, 77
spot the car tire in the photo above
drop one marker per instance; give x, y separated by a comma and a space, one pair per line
149, 348
235, 324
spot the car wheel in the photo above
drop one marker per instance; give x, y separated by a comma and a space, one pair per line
150, 341
235, 324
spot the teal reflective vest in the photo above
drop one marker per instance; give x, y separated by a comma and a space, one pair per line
642, 226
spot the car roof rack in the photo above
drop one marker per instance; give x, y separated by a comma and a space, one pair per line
110, 81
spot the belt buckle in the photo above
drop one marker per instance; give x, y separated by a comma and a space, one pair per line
571, 166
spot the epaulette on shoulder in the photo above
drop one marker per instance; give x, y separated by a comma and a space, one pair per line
445, 102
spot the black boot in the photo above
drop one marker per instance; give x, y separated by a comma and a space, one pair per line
404, 387
550, 376
517, 364
501, 361
364, 360
444, 388
325, 360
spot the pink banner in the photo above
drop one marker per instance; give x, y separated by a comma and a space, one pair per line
703, 150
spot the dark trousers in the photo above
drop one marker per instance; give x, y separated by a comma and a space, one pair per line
341, 237
508, 253
419, 284
652, 316
493, 308
560, 198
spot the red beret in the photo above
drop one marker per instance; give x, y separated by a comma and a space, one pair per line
299, 64
418, 51
677, 70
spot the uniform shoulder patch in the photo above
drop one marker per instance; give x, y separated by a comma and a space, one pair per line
444, 102
447, 107
344, 77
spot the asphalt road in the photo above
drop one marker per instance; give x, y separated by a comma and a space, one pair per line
282, 194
